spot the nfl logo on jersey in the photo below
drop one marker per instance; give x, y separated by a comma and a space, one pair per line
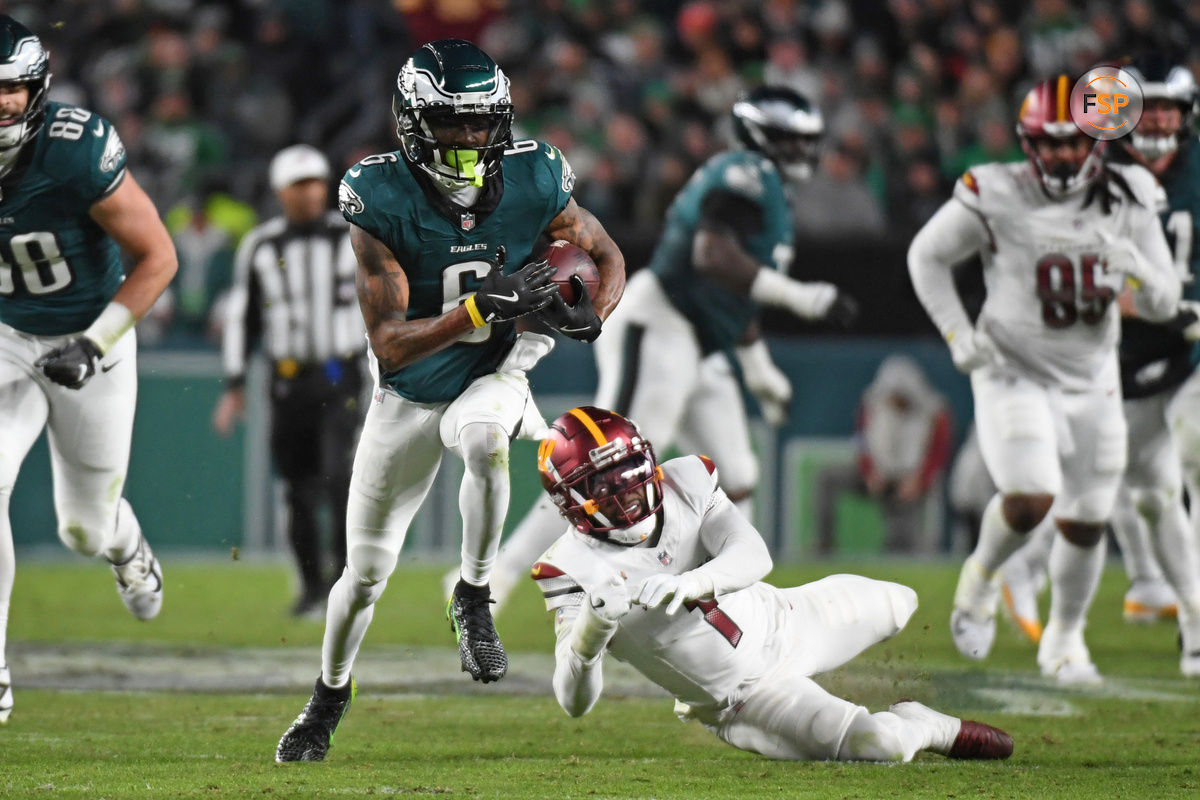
467, 221
665, 558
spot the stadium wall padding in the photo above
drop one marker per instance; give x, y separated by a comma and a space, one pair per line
187, 484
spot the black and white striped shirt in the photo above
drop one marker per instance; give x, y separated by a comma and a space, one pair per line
295, 287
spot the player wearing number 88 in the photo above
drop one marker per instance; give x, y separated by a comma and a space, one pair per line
1060, 236
662, 572
68, 207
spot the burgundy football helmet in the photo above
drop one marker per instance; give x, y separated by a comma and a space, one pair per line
1045, 117
602, 474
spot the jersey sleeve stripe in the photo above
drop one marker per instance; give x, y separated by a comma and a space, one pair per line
708, 463
112, 187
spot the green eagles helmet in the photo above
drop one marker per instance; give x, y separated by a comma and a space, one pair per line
23, 60
784, 126
1163, 79
442, 79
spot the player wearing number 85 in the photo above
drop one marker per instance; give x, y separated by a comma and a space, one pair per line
1060, 236
68, 207
444, 231
661, 571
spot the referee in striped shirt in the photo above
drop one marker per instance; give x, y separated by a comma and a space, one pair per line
294, 289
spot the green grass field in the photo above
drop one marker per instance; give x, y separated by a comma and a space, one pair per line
85, 726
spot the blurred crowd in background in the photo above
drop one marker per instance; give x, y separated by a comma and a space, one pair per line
636, 92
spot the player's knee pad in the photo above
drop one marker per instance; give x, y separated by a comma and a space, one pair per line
870, 738
1081, 534
363, 591
370, 563
484, 447
88, 530
841, 600
1023, 512
1151, 504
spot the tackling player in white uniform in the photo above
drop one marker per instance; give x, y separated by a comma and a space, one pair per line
661, 571
665, 355
1059, 237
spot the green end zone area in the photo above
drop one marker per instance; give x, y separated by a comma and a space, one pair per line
229, 670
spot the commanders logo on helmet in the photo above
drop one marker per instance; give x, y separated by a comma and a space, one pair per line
444, 79
1045, 116
23, 61
602, 474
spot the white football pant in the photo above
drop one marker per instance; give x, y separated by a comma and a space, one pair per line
88, 431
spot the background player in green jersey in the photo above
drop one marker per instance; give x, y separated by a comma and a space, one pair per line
68, 357
1161, 388
445, 230
665, 356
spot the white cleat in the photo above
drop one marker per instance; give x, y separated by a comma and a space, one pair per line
954, 737
6, 695
1189, 640
1074, 671
972, 636
139, 582
1065, 658
973, 618
1019, 591
1150, 601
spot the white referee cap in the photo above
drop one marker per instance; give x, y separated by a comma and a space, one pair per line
296, 163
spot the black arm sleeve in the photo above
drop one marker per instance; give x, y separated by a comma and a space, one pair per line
723, 210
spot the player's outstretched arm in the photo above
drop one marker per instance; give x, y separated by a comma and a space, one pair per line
584, 629
130, 218
718, 253
578, 226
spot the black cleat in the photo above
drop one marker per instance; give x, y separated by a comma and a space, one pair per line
479, 648
311, 735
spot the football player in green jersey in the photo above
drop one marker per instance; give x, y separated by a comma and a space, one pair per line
1161, 388
665, 358
445, 230
68, 207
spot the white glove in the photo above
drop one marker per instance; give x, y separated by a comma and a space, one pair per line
767, 382
971, 349
807, 299
1124, 261
678, 589
610, 601
596, 624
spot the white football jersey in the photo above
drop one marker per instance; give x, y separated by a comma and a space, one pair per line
1050, 303
707, 650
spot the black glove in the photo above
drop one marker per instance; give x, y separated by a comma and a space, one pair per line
842, 312
72, 364
503, 297
579, 321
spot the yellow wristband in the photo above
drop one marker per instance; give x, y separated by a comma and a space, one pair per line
476, 318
